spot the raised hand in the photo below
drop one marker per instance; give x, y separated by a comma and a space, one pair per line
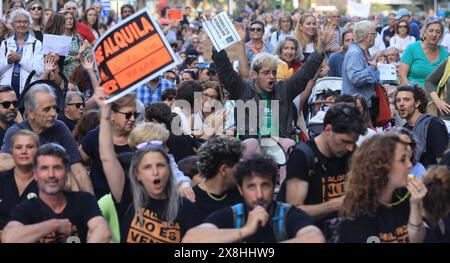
326, 37
49, 64
257, 218
417, 189
88, 64
241, 30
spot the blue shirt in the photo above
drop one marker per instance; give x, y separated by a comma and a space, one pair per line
335, 63
147, 95
357, 76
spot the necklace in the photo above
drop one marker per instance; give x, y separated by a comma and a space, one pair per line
401, 199
204, 188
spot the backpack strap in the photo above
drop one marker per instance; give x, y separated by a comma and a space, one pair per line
309, 154
238, 215
279, 221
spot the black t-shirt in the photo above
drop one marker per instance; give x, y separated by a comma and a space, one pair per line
69, 123
206, 205
9, 194
91, 148
38, 35
437, 141
181, 146
389, 225
334, 169
154, 229
58, 133
80, 208
296, 219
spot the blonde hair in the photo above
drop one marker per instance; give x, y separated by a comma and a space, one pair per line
147, 131
299, 34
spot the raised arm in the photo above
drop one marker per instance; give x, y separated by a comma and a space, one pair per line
115, 176
233, 83
243, 60
431, 86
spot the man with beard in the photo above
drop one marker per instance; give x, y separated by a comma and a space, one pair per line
40, 107
55, 216
316, 169
430, 131
8, 109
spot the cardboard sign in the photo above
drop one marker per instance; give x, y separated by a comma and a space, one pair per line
232, 51
221, 31
131, 53
175, 14
56, 44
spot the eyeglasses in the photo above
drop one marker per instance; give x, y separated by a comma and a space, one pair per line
373, 34
23, 22
255, 29
285, 21
154, 143
128, 115
405, 26
7, 104
34, 8
77, 105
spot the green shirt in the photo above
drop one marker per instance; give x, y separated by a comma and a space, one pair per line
419, 65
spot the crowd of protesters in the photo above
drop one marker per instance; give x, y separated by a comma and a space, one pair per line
172, 161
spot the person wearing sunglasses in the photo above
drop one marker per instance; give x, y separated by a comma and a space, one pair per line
36, 10
73, 109
8, 109
256, 44
401, 39
381, 203
122, 119
42, 111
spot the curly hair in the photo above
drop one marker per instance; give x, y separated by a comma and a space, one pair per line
368, 175
217, 151
418, 94
256, 165
437, 201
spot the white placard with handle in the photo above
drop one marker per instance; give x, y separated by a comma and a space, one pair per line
221, 31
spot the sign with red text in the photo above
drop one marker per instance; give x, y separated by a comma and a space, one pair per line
131, 53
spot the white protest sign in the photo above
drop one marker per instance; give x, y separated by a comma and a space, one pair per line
221, 31
359, 10
387, 71
56, 44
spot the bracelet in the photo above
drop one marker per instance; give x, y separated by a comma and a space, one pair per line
415, 227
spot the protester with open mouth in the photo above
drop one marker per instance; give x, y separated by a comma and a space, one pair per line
146, 196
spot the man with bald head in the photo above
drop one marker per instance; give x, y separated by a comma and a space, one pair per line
334, 18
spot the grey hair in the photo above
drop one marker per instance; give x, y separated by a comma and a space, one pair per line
263, 58
430, 21
30, 96
21, 12
361, 29
71, 94
140, 195
298, 49
70, 3
396, 51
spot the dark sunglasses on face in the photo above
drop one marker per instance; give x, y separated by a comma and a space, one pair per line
36, 8
7, 104
78, 104
255, 29
128, 115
